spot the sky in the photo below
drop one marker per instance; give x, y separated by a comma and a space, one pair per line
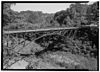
44, 7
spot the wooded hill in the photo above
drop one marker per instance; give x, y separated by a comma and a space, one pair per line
76, 15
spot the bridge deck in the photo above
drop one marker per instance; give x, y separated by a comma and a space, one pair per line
49, 29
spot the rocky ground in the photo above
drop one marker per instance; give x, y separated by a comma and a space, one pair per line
47, 60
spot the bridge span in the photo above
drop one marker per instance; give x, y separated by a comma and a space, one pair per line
47, 29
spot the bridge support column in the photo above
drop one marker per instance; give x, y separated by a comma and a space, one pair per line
7, 40
24, 40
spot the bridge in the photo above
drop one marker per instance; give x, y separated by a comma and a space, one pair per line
30, 35
49, 29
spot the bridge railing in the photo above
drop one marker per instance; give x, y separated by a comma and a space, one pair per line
49, 29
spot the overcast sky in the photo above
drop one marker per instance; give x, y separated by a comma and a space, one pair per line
44, 7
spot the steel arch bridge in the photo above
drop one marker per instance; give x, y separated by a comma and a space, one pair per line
15, 38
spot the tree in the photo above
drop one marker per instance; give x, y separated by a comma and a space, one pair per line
93, 13
60, 16
8, 14
78, 12
73, 16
